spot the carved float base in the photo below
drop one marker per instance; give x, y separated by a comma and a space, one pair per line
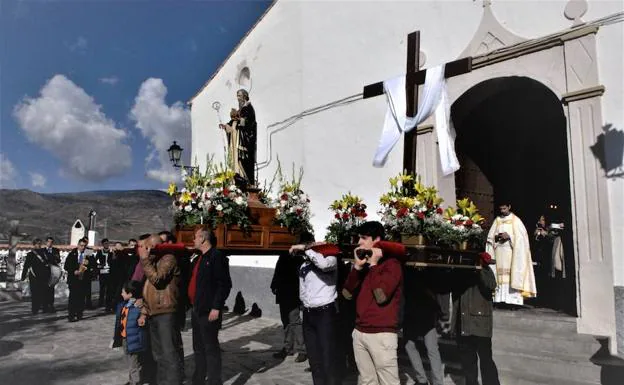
261, 238
264, 236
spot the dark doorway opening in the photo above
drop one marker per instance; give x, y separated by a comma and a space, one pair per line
512, 142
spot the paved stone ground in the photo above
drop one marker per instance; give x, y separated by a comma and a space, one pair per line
46, 349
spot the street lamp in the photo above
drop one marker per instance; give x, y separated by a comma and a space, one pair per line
175, 153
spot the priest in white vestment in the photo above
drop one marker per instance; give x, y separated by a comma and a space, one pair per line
508, 243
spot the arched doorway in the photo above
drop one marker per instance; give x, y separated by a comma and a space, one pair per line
512, 142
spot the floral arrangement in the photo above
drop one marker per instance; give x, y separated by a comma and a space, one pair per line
465, 221
407, 205
349, 214
210, 198
292, 204
457, 226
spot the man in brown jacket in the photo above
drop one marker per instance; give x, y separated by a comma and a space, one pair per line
160, 304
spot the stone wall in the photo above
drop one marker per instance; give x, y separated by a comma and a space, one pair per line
619, 318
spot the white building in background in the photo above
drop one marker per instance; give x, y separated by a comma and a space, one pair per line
77, 232
547, 80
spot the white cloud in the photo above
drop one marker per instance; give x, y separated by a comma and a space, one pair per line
37, 180
8, 173
80, 45
110, 80
161, 125
68, 123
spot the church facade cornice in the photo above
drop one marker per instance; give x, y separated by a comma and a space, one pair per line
531, 46
585, 93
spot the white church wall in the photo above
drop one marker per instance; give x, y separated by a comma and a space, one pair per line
306, 54
297, 61
610, 64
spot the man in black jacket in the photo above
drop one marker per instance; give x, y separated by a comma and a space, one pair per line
209, 287
53, 256
37, 269
79, 267
285, 287
105, 261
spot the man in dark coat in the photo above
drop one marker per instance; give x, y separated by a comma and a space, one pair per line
53, 256
473, 323
79, 267
37, 269
105, 260
209, 288
285, 287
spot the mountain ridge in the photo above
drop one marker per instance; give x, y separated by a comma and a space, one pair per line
121, 214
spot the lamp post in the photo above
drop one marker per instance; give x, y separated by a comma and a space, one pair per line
175, 153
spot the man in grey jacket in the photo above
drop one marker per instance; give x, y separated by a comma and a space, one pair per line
473, 323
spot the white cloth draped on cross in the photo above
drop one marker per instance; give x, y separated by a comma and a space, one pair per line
434, 99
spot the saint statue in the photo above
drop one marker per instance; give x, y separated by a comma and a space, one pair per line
508, 243
241, 132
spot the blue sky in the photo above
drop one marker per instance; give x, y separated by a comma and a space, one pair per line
83, 84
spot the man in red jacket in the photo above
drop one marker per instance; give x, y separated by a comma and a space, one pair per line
380, 278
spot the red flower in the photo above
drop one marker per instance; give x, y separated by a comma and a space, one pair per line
337, 216
364, 215
345, 216
429, 205
421, 215
284, 197
469, 222
439, 210
193, 195
402, 212
299, 211
226, 191
485, 257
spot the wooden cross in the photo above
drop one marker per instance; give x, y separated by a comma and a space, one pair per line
414, 78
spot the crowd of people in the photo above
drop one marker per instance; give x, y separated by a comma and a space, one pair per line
352, 313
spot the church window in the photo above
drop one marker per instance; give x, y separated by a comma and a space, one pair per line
244, 78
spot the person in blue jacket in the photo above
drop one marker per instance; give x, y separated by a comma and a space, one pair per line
129, 331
